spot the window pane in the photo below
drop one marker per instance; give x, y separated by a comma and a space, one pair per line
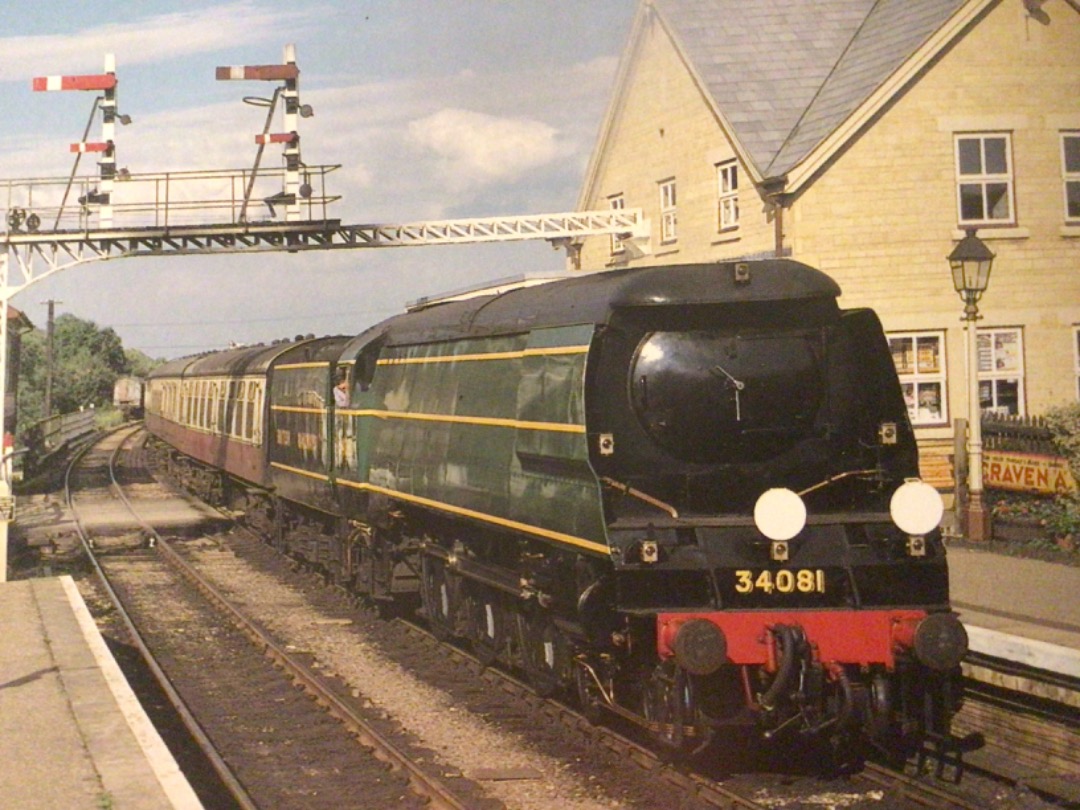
997, 197
909, 399
970, 157
1006, 351
930, 402
929, 353
971, 202
985, 352
902, 354
1008, 396
996, 159
1072, 195
1072, 153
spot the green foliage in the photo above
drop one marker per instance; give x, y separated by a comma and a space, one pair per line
1064, 423
87, 360
1057, 516
139, 364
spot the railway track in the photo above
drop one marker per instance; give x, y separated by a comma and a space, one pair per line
678, 786
276, 734
1031, 721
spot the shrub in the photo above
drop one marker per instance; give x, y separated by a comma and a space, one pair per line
1064, 423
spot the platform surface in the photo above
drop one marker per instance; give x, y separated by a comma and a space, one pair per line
1020, 609
72, 733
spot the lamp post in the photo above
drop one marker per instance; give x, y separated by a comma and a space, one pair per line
970, 261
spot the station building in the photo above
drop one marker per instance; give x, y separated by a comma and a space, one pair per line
863, 137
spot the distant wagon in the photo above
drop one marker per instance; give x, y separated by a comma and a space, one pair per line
128, 397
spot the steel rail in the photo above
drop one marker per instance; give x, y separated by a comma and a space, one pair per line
383, 749
221, 768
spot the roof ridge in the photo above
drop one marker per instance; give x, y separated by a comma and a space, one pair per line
824, 83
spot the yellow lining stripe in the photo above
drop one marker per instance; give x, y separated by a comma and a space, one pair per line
313, 364
512, 355
298, 471
489, 421
569, 539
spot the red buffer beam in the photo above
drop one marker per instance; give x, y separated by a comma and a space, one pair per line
101, 81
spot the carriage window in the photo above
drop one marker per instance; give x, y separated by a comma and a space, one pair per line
366, 363
249, 411
234, 408
256, 409
222, 390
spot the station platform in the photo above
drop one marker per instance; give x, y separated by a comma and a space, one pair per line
72, 733
1018, 609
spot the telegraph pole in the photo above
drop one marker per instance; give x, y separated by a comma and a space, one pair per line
49, 331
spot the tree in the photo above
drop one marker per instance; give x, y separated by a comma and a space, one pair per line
87, 360
139, 364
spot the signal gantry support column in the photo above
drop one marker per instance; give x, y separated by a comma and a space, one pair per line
289, 74
102, 83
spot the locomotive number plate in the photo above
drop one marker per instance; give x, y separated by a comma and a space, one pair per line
803, 580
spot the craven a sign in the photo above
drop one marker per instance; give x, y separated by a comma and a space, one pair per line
1027, 472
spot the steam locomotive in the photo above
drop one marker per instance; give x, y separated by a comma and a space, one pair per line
687, 494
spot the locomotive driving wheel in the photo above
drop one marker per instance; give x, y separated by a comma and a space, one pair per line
439, 593
486, 622
544, 654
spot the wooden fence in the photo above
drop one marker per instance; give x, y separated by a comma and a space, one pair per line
53, 435
1021, 434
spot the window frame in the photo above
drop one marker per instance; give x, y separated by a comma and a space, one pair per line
1070, 177
668, 211
727, 196
917, 378
984, 179
989, 380
1076, 360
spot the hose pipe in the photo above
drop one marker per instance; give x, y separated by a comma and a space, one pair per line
789, 641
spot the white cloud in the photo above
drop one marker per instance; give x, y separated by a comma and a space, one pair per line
153, 39
475, 148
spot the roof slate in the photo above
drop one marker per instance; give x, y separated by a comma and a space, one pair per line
786, 73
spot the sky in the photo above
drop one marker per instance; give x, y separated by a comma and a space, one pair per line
433, 109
